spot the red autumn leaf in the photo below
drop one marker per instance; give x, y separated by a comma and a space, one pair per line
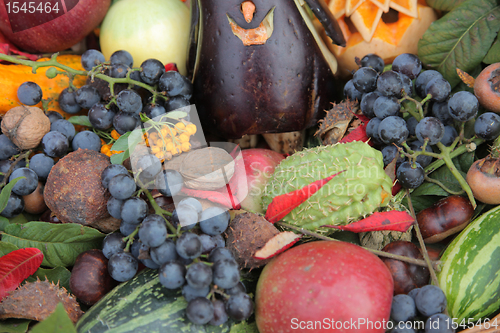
396, 187
6, 47
171, 67
390, 170
362, 117
235, 151
225, 196
16, 266
225, 199
392, 220
285, 203
276, 245
358, 134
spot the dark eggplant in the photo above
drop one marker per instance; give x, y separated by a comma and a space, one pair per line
273, 74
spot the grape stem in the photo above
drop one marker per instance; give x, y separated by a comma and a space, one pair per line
438, 183
54, 63
423, 248
12, 167
130, 239
452, 154
409, 260
445, 154
160, 211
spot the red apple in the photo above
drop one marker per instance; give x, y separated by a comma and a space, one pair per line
324, 286
259, 166
50, 27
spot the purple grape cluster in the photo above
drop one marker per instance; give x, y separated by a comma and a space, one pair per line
194, 258
382, 94
123, 115
428, 303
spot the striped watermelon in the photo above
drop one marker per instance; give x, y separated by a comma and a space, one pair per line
470, 275
144, 305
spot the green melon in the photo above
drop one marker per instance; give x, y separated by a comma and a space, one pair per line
470, 273
143, 305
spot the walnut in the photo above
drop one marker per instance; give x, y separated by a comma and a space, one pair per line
25, 126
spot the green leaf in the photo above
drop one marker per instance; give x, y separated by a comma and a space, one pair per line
122, 142
56, 275
493, 54
3, 223
21, 219
5, 194
7, 248
460, 39
444, 175
57, 322
119, 158
444, 5
421, 202
463, 162
80, 120
60, 243
176, 114
12, 325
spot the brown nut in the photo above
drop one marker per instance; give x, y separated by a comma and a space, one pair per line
247, 233
74, 191
446, 217
25, 126
90, 279
406, 276
34, 202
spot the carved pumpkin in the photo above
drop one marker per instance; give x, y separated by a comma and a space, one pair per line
368, 30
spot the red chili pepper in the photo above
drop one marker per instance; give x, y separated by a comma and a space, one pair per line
392, 220
285, 203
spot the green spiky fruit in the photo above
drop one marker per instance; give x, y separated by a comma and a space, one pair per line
359, 190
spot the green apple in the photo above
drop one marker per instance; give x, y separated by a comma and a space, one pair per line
156, 29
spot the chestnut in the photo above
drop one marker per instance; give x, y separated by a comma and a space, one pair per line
446, 217
406, 276
90, 279
34, 203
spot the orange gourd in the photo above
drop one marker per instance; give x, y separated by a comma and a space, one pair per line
13, 75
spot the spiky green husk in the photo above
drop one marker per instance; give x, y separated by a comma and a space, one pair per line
361, 189
469, 274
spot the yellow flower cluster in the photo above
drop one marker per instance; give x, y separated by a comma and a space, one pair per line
106, 148
170, 141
